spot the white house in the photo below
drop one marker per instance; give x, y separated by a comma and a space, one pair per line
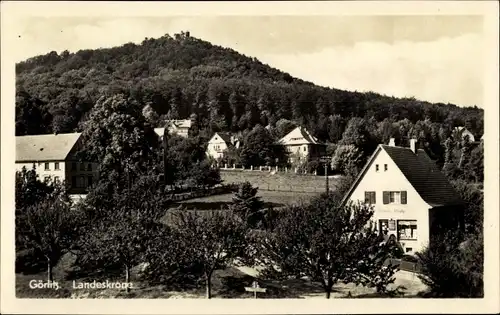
302, 145
54, 159
462, 132
219, 142
178, 127
412, 199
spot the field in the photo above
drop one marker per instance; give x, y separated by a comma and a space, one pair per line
270, 198
287, 182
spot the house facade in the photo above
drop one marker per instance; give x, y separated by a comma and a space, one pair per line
412, 200
219, 143
302, 146
54, 158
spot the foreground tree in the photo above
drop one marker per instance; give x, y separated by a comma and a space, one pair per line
212, 240
49, 227
119, 235
327, 242
453, 268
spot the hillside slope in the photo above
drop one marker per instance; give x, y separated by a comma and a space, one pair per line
182, 75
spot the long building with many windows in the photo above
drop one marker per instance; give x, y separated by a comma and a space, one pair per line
54, 158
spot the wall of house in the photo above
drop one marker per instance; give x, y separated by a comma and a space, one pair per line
49, 174
394, 180
81, 172
216, 147
183, 132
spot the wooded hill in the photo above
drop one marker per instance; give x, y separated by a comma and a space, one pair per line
181, 75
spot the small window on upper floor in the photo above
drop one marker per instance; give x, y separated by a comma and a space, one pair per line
376, 167
56, 166
73, 166
47, 166
305, 148
89, 167
385, 167
82, 166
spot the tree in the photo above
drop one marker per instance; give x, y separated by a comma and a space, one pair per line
213, 240
283, 127
452, 267
358, 133
203, 174
247, 204
347, 160
117, 136
327, 242
49, 226
259, 148
120, 233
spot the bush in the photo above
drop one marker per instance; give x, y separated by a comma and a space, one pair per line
452, 268
30, 261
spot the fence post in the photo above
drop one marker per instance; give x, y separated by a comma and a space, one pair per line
225, 165
234, 166
251, 167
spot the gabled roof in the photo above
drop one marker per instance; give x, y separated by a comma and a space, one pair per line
299, 136
49, 147
421, 172
182, 123
225, 136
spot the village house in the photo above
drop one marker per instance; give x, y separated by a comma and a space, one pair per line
54, 158
302, 146
463, 132
219, 143
178, 127
412, 200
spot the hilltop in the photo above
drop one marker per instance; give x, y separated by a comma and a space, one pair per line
183, 75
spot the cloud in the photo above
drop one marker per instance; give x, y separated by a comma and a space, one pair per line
444, 70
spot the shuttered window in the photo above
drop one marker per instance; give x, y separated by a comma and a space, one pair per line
394, 197
370, 197
403, 197
385, 197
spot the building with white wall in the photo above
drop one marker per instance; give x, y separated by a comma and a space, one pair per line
301, 145
54, 158
219, 143
178, 127
412, 199
463, 132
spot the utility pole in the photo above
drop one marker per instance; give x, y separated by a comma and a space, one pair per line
326, 178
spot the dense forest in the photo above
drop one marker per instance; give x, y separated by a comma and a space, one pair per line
181, 75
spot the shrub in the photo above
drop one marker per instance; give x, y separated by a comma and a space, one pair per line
452, 268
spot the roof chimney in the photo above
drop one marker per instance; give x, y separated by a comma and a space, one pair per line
414, 145
392, 142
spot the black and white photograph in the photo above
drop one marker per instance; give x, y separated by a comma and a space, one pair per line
241, 154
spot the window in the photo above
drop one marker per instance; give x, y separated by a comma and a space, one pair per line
73, 166
89, 181
81, 182
82, 166
385, 167
409, 249
407, 229
370, 197
376, 167
89, 167
47, 166
73, 181
56, 166
305, 149
394, 197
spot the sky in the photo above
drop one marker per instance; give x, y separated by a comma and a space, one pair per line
433, 58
